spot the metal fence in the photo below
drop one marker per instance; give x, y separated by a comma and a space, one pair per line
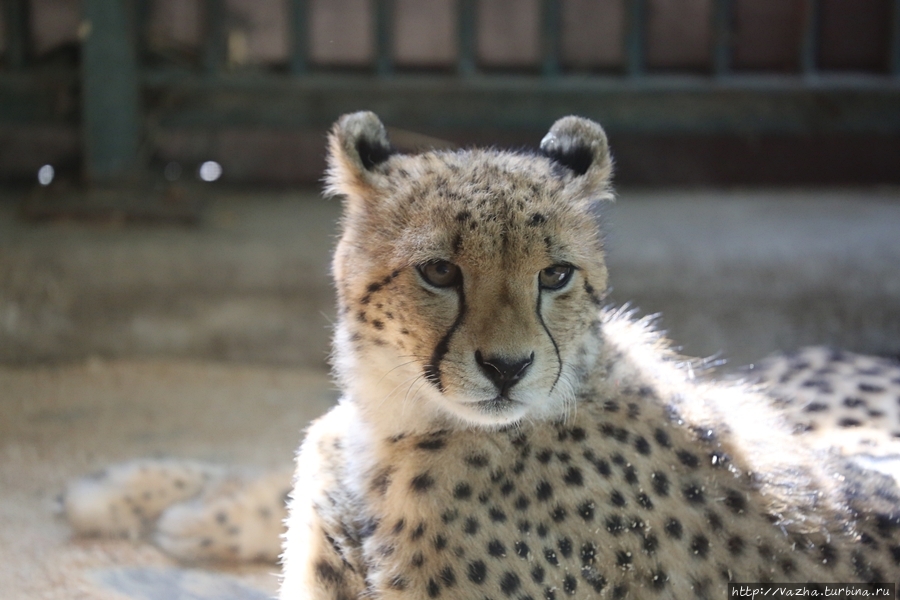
118, 94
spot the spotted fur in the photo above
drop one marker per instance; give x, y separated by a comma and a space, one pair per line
501, 438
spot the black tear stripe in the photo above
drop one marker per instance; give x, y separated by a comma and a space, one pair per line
555, 346
433, 368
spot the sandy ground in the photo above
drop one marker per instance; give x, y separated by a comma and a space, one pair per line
60, 422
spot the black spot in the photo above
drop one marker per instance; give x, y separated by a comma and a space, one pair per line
496, 548
398, 526
418, 560
573, 477
435, 443
537, 219
507, 488
537, 574
658, 579
398, 583
418, 532
479, 461
377, 324
673, 528
851, 402
463, 216
603, 467
449, 516
471, 526
614, 525
544, 456
524, 526
381, 481
644, 501
662, 438
440, 542
868, 387
509, 583
586, 510
476, 572
617, 498
434, 589
688, 459
550, 556
522, 549
815, 407
544, 491
570, 585
522, 502
448, 577
483, 497
549, 594
630, 474
497, 515
558, 514
328, 574
700, 545
421, 483
715, 522
650, 543
848, 422
620, 591
735, 501
660, 483
462, 491
642, 445
578, 434
563, 456
623, 558
588, 553
693, 493
610, 406
634, 411
565, 547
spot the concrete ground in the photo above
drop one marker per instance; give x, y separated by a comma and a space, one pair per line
210, 342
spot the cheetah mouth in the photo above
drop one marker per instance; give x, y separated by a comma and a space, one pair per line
497, 405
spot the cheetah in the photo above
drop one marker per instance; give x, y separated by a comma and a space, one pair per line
505, 434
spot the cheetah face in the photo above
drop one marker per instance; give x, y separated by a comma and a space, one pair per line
469, 282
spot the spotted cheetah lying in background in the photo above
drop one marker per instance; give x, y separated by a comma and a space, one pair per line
502, 435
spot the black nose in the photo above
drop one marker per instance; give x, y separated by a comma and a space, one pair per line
502, 371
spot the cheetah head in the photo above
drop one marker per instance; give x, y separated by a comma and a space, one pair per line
468, 282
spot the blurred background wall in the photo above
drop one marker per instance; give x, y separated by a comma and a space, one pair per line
691, 91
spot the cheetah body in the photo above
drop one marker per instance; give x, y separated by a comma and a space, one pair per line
502, 436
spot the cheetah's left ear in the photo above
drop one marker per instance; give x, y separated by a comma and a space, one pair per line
580, 146
357, 144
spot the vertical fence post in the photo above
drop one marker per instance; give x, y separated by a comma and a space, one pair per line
722, 36
216, 49
384, 14
110, 95
894, 65
550, 36
298, 30
634, 40
15, 16
467, 37
809, 38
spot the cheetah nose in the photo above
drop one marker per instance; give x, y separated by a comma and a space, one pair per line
503, 372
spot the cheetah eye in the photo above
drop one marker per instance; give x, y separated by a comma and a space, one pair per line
555, 277
440, 273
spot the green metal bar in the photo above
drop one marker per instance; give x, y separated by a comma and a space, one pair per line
110, 99
384, 14
216, 49
299, 33
809, 38
15, 15
634, 40
551, 25
895, 41
722, 32
467, 37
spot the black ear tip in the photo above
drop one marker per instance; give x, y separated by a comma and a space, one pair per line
577, 144
363, 133
577, 159
373, 152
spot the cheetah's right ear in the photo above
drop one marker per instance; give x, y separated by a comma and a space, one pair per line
357, 144
580, 146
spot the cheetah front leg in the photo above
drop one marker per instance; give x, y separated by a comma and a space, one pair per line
321, 560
